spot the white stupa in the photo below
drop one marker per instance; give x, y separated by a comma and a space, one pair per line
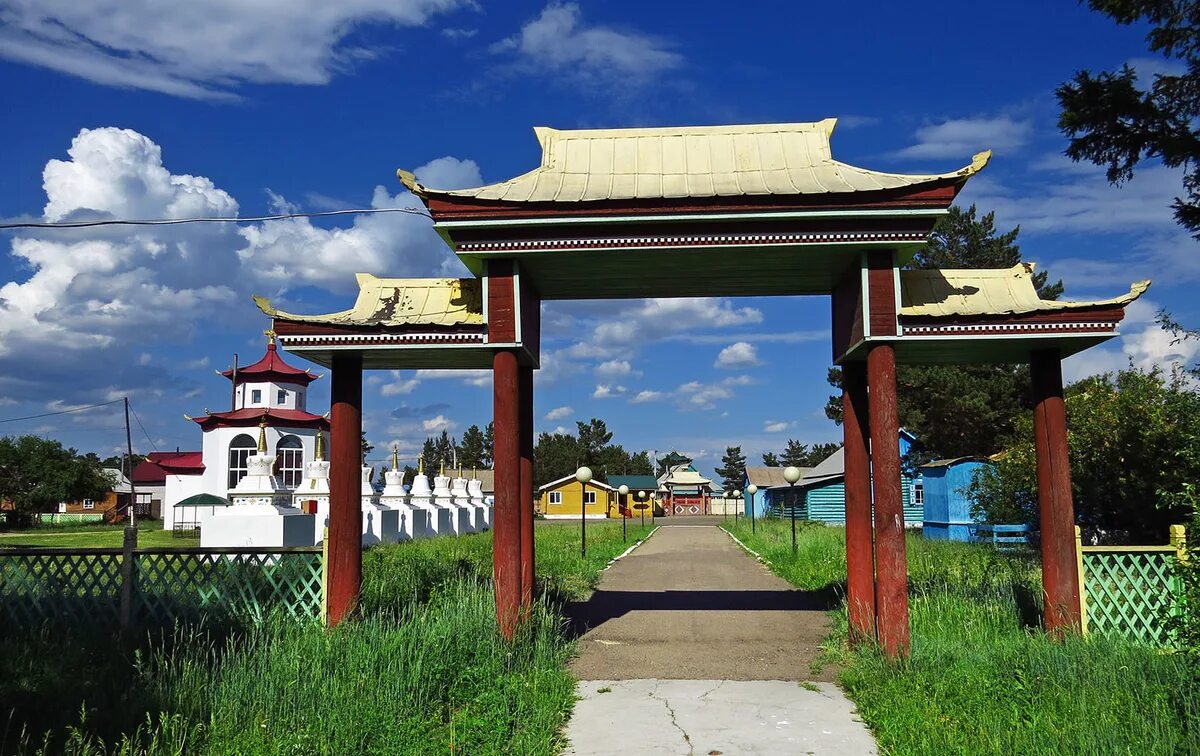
462, 499
421, 497
459, 516
414, 522
475, 489
380, 524
261, 513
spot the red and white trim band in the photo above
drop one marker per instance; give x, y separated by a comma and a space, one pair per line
721, 240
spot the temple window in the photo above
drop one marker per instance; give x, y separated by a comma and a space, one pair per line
240, 450
291, 461
256, 396
282, 397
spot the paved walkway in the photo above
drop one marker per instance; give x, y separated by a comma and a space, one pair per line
690, 646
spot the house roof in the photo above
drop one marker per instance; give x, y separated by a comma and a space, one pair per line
829, 469
149, 471
1001, 291
693, 161
571, 478
183, 463
686, 478
958, 460
271, 368
120, 484
393, 302
250, 416
765, 477
635, 482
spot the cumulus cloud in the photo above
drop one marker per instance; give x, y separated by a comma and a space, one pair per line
740, 354
558, 41
614, 368
1144, 345
647, 396
775, 426
203, 48
961, 137
559, 413
608, 391
438, 424
698, 395
93, 299
660, 318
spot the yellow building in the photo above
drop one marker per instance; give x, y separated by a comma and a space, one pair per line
560, 499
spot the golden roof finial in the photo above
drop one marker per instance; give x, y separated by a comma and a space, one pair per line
320, 446
475, 473
262, 435
395, 458
442, 468
420, 464
270, 334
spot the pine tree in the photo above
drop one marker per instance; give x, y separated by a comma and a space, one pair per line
795, 454
733, 468
489, 444
472, 451
770, 459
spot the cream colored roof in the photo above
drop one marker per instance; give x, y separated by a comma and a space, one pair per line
687, 478
1004, 291
691, 161
401, 302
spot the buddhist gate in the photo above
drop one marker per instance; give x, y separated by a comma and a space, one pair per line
708, 211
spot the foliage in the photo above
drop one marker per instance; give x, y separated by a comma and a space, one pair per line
796, 454
473, 451
36, 474
981, 679
1183, 619
1117, 119
733, 468
1134, 442
959, 410
770, 459
557, 455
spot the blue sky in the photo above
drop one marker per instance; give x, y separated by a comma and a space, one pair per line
226, 108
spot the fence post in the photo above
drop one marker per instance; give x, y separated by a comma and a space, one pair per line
1179, 541
1083, 615
325, 578
128, 578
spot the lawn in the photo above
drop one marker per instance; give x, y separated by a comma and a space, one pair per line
422, 670
150, 534
983, 677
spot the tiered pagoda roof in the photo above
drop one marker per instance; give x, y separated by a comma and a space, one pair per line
270, 368
251, 416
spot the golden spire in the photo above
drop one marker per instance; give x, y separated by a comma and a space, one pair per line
270, 334
395, 458
475, 473
420, 464
320, 446
442, 469
262, 435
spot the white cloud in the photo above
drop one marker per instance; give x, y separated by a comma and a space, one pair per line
558, 42
706, 395
94, 299
559, 413
659, 318
608, 391
737, 355
773, 426
962, 137
396, 388
614, 369
473, 377
1144, 345
438, 424
202, 48
647, 396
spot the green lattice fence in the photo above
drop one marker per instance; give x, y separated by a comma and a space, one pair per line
1127, 591
167, 585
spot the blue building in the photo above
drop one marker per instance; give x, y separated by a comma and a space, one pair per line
774, 496
821, 493
947, 505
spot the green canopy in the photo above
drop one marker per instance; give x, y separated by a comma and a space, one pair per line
204, 500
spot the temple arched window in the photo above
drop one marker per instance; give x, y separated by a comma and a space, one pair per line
240, 450
290, 453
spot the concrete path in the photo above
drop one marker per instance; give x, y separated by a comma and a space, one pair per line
690, 646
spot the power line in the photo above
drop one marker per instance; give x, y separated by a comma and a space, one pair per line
144, 433
61, 412
178, 221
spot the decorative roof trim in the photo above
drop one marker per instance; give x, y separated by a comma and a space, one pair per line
400, 302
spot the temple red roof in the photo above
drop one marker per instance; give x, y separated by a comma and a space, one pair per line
174, 463
251, 416
271, 368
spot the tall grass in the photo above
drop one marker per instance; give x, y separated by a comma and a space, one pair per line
983, 677
421, 671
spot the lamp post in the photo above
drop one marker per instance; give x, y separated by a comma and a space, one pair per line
653, 498
792, 475
751, 490
736, 495
583, 475
622, 492
642, 509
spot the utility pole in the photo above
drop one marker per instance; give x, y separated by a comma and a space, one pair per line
129, 456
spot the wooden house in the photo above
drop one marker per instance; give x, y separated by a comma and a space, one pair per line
824, 490
563, 499
947, 505
774, 496
112, 506
646, 485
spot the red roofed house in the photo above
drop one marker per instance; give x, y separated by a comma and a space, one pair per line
270, 391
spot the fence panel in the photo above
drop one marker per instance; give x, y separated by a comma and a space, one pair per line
1126, 591
84, 586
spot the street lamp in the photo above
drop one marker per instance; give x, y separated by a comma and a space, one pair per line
583, 475
622, 492
751, 490
642, 509
792, 475
736, 495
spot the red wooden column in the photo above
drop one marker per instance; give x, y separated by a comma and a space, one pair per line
526, 442
345, 496
506, 518
891, 564
1060, 572
860, 551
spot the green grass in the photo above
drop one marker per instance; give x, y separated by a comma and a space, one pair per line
983, 677
150, 534
422, 670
